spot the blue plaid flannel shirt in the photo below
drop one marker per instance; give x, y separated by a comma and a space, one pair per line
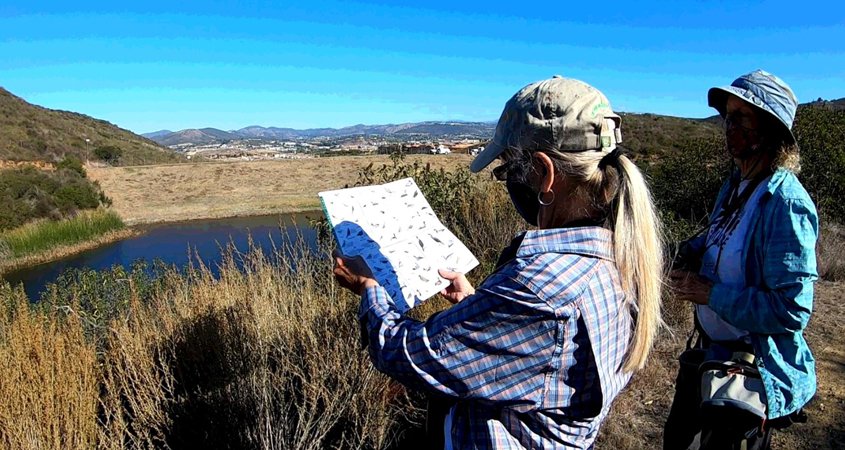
533, 358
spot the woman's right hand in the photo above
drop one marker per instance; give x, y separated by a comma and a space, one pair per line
460, 287
690, 286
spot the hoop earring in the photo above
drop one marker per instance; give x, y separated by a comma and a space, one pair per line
540, 198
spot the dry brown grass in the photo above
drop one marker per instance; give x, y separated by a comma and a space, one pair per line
637, 418
48, 386
266, 357
164, 193
831, 253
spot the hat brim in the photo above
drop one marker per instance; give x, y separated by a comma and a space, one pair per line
487, 156
717, 98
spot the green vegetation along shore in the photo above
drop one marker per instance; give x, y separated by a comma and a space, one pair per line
46, 240
51, 211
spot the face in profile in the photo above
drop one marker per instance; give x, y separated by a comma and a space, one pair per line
742, 126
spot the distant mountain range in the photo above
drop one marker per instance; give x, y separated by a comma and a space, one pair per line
433, 130
639, 128
32, 133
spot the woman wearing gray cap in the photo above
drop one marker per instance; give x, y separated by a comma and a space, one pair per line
750, 276
535, 356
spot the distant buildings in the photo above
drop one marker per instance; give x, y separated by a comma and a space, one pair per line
260, 149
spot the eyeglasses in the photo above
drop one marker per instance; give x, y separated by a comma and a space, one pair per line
740, 120
500, 172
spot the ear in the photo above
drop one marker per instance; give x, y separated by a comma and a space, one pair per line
547, 171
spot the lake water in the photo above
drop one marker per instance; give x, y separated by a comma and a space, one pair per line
176, 244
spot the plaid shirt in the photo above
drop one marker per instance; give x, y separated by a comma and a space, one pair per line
533, 357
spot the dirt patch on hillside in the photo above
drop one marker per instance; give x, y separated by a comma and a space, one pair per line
40, 165
164, 193
636, 421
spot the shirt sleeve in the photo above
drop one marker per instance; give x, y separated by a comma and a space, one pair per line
785, 300
496, 345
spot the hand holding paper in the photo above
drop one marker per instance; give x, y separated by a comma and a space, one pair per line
352, 273
393, 228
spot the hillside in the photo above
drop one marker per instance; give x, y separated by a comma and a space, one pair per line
836, 105
29, 133
195, 136
652, 135
646, 135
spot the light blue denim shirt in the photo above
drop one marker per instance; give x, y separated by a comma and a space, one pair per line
774, 306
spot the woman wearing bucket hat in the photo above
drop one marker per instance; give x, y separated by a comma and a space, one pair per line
535, 356
751, 282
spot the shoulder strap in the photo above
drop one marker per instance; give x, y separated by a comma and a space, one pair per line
509, 253
697, 330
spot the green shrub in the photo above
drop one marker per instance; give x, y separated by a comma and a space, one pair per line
70, 162
685, 184
29, 194
77, 195
821, 136
108, 153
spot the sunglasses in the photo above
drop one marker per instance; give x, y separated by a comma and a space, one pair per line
743, 121
500, 173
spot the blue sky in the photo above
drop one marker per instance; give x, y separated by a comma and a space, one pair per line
159, 65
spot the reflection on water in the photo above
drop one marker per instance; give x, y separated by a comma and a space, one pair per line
176, 244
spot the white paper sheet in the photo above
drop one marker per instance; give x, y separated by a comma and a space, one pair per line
394, 229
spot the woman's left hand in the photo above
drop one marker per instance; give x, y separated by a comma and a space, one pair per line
691, 286
352, 273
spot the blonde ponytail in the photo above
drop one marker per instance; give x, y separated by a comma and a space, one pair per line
622, 194
638, 250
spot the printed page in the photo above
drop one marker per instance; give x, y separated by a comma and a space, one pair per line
394, 229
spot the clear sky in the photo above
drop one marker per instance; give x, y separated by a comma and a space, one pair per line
172, 65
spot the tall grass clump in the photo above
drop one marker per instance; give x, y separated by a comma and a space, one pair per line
830, 252
49, 384
43, 235
264, 355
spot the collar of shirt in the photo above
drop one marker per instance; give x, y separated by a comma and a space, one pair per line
588, 241
776, 180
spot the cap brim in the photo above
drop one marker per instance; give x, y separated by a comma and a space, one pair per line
717, 98
488, 155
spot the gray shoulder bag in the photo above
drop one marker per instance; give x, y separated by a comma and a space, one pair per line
732, 393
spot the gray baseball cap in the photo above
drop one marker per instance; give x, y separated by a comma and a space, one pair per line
555, 115
762, 90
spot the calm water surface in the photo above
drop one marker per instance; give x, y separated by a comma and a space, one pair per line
176, 244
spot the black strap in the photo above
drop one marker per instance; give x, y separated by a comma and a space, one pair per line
508, 254
736, 200
732, 202
696, 329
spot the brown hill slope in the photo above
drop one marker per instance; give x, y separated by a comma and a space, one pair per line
652, 136
30, 133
